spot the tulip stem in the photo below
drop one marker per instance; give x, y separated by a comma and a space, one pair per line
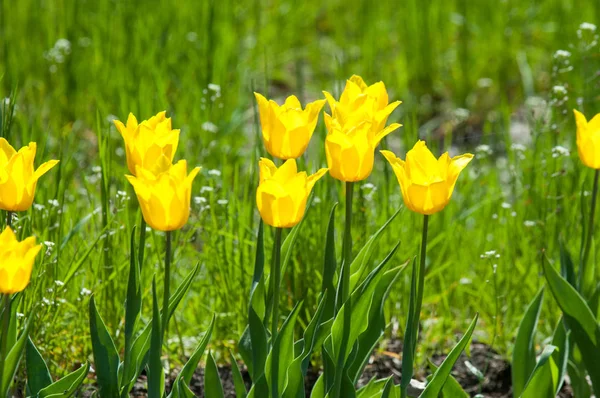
414, 323
4, 341
345, 299
276, 270
590, 233
167, 280
142, 244
9, 218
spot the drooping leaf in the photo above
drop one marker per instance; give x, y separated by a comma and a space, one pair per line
67, 386
440, 376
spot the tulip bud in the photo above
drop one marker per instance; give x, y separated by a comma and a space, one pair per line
588, 139
16, 261
149, 141
427, 183
18, 179
287, 129
165, 197
282, 192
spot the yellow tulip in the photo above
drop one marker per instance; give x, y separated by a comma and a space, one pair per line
360, 102
165, 197
148, 142
287, 129
18, 179
282, 192
16, 261
588, 139
427, 183
350, 149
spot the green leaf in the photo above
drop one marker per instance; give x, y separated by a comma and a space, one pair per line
257, 289
133, 307
156, 375
523, 360
38, 375
258, 338
359, 266
411, 332
541, 383
13, 359
190, 366
212, 381
452, 388
440, 376
238, 380
567, 269
580, 321
329, 266
106, 357
282, 353
362, 298
561, 355
181, 390
376, 323
67, 386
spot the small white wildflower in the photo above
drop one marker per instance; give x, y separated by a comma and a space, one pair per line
559, 151
96, 169
316, 200
45, 301
483, 150
562, 54
529, 223
210, 127
49, 246
191, 36
514, 214
559, 90
85, 292
485, 82
59, 283
119, 151
206, 188
54, 202
588, 26
214, 172
38, 207
20, 315
111, 118
506, 205
465, 281
222, 202
199, 200
518, 147
495, 216
214, 87
61, 300
461, 114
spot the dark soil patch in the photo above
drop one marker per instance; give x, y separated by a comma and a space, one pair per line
495, 383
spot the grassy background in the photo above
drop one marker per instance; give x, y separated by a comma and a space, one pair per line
469, 73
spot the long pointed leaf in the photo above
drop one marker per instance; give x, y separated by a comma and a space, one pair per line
106, 357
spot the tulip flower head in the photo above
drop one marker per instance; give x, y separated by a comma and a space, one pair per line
165, 197
287, 129
588, 139
282, 192
16, 261
350, 149
148, 143
427, 183
18, 179
360, 102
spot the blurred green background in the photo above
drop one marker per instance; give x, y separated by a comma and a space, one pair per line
496, 78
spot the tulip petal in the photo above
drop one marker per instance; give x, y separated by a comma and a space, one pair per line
380, 135
292, 102
44, 168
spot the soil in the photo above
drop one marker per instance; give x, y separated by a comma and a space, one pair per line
496, 382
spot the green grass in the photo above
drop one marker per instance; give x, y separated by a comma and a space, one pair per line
493, 58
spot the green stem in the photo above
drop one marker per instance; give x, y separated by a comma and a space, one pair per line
167, 282
9, 218
590, 233
414, 326
345, 292
4, 341
276, 270
142, 244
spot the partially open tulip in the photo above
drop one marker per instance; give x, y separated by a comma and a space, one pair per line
350, 149
282, 192
287, 129
360, 102
149, 141
165, 197
16, 261
588, 139
18, 179
427, 183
